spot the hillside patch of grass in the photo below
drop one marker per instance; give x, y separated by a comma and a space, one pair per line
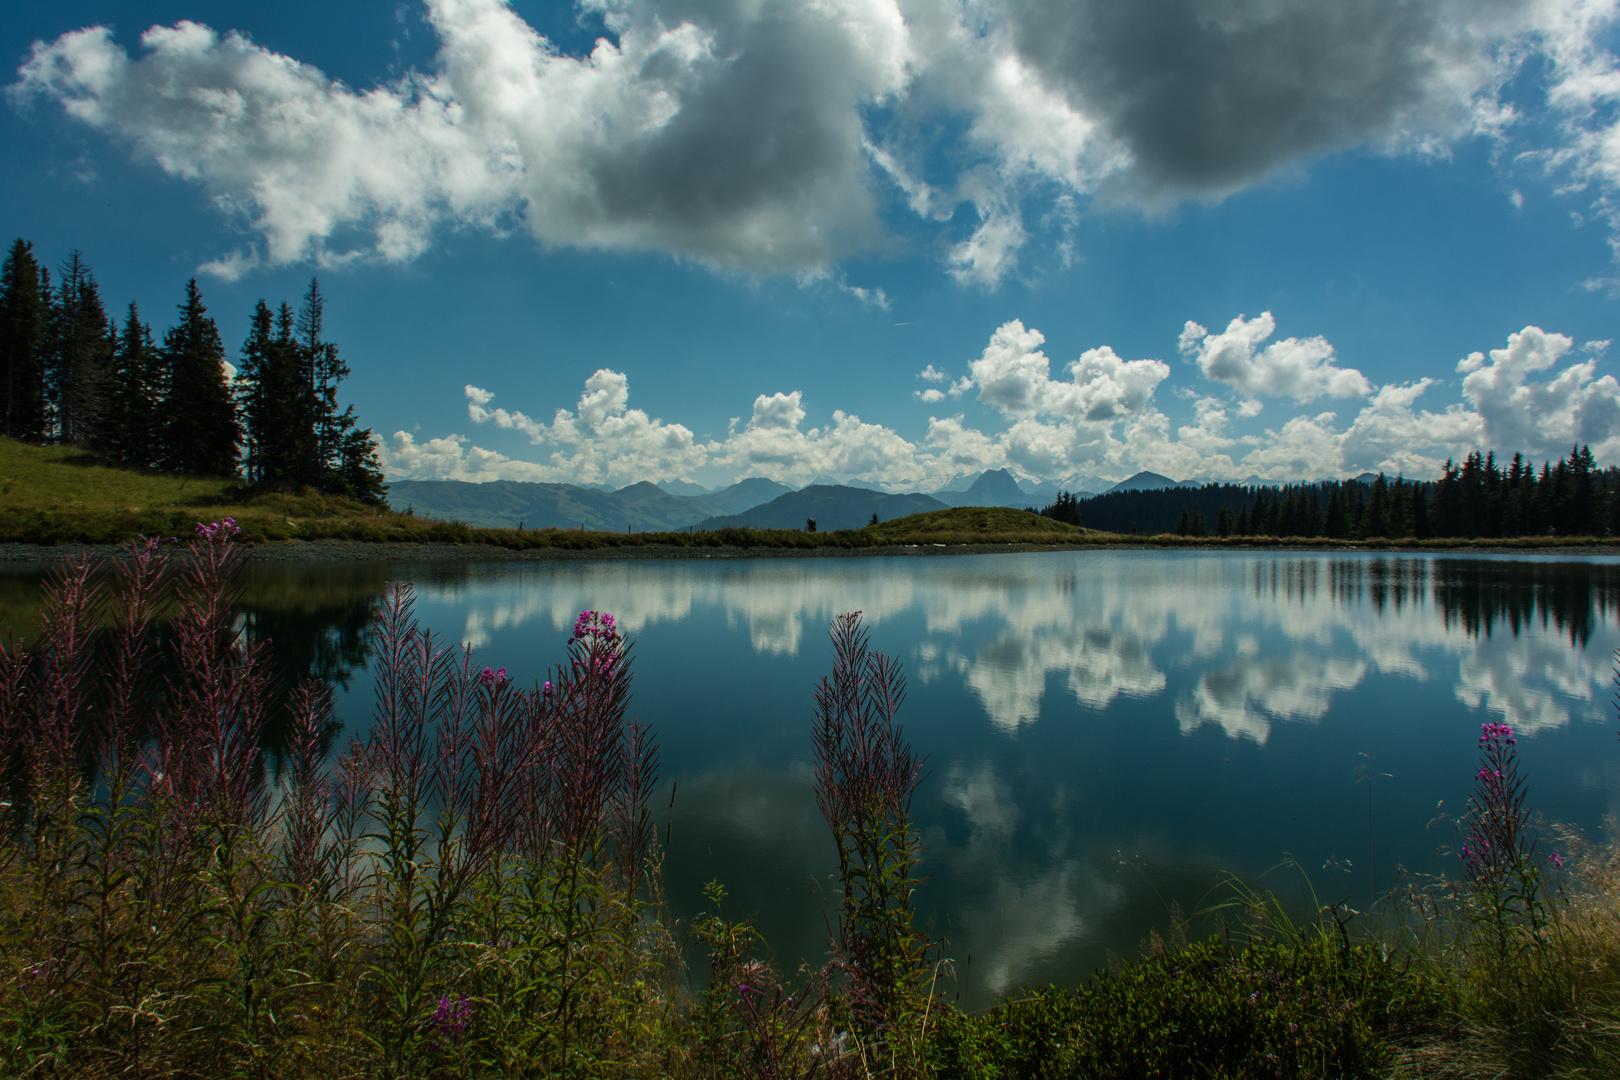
60, 494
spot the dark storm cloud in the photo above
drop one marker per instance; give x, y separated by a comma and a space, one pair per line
1208, 95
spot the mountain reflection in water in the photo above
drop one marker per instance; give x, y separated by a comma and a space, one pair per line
1106, 732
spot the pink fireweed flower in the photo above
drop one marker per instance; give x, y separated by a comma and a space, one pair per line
450, 1018
218, 530
1557, 860
491, 677
599, 625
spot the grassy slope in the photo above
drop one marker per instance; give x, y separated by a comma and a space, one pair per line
58, 493
51, 494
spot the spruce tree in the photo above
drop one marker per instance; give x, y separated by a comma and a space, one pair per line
135, 398
294, 433
24, 332
78, 358
254, 403
359, 470
200, 431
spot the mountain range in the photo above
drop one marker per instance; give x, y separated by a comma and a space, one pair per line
756, 502
507, 504
831, 507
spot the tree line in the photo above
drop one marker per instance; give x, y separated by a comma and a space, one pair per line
69, 375
1476, 498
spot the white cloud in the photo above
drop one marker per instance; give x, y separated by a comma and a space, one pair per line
991, 253
1101, 421
450, 458
1012, 372
1544, 418
958, 448
603, 441
773, 444
1301, 369
1013, 375
666, 137
759, 136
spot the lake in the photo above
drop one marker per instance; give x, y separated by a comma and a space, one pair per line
1106, 732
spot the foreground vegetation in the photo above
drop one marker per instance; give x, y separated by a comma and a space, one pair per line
59, 494
474, 889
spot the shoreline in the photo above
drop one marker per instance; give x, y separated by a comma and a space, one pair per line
290, 551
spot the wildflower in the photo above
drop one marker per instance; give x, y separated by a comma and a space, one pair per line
218, 530
450, 1018
595, 624
1557, 860
492, 677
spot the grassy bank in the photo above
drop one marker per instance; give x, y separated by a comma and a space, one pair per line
53, 495
475, 890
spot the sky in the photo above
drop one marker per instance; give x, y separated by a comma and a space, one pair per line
894, 241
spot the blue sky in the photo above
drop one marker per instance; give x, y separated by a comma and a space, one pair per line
888, 240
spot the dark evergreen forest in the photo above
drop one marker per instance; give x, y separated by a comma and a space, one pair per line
70, 375
1474, 499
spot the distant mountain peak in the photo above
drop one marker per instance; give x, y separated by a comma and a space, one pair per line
1144, 481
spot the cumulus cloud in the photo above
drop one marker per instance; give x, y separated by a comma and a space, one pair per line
1545, 417
1013, 375
934, 394
773, 444
1099, 421
770, 138
602, 441
1303, 370
737, 142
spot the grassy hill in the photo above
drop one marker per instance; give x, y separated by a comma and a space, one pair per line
51, 494
975, 525
60, 493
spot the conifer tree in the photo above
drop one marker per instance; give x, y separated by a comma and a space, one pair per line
256, 401
200, 431
24, 331
294, 433
78, 358
135, 400
1375, 512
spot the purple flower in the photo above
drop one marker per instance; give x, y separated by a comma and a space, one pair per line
218, 530
450, 1018
1557, 860
491, 677
595, 624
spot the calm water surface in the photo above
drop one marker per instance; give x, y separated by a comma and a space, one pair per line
1107, 733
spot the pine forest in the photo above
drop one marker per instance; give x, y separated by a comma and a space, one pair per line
70, 375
